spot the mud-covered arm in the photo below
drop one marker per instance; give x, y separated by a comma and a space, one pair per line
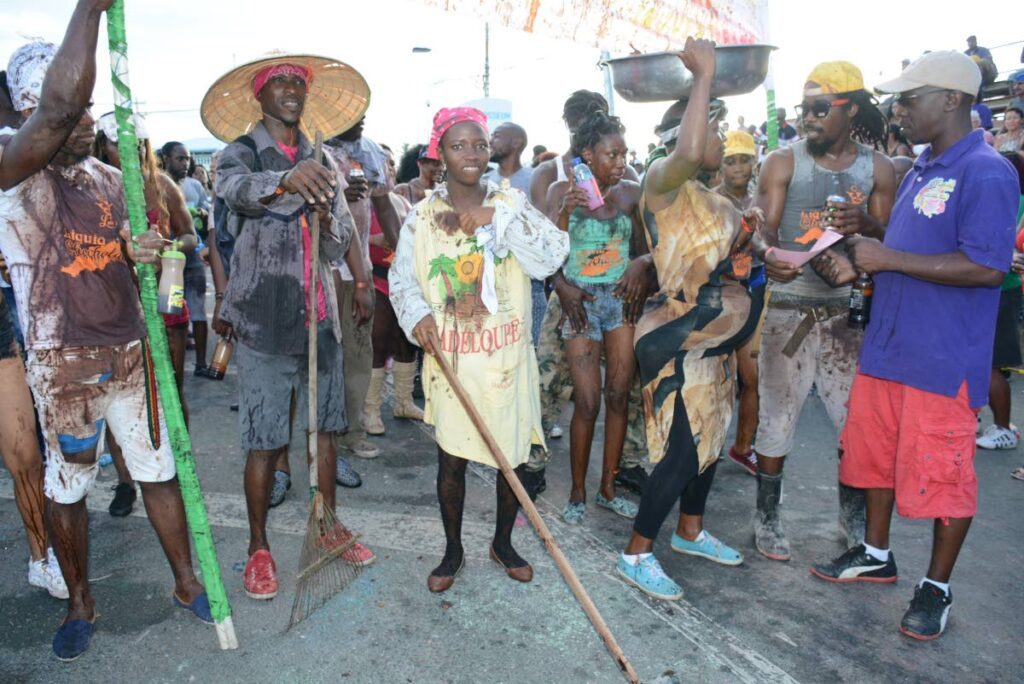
66, 91
251, 192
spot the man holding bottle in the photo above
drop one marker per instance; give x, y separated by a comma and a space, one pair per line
63, 230
806, 340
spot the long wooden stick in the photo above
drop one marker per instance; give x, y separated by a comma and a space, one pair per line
313, 319
538, 523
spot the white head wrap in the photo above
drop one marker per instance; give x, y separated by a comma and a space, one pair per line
108, 125
25, 72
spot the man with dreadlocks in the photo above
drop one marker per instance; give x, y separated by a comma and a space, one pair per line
805, 339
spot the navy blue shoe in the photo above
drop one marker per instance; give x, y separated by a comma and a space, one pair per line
200, 607
72, 639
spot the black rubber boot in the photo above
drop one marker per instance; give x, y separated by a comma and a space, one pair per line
769, 537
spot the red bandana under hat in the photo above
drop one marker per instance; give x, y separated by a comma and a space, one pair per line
270, 72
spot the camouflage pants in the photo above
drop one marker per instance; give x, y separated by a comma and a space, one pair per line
556, 387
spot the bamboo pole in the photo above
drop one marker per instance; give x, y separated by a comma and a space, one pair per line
188, 480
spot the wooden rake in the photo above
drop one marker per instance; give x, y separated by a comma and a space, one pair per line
324, 570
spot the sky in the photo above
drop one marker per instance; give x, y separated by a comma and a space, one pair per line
178, 49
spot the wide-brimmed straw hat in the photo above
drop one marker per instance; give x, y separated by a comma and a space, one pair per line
336, 99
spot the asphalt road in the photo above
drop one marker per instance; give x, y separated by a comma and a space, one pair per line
763, 621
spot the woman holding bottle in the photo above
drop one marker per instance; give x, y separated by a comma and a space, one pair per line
596, 207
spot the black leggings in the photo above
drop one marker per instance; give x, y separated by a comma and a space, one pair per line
675, 478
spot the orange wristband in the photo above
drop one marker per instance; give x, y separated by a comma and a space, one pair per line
360, 285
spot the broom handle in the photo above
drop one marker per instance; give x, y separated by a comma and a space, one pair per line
538, 523
312, 309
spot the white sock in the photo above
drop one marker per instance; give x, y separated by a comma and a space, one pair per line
877, 554
944, 586
634, 559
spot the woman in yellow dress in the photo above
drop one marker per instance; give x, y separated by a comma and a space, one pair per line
460, 286
685, 341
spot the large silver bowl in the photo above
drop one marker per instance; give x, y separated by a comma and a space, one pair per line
661, 76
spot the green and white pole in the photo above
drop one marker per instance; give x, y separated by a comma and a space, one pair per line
772, 127
131, 172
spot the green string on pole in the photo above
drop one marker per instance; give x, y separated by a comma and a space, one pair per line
772, 127
188, 481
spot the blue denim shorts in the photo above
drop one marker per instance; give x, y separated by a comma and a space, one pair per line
604, 314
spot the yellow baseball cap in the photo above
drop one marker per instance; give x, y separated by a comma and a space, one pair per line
833, 78
739, 142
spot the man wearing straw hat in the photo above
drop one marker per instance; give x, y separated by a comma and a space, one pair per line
63, 229
271, 183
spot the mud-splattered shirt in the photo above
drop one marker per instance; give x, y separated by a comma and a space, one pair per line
265, 299
59, 232
439, 270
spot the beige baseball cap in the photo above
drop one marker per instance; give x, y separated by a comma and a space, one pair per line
945, 69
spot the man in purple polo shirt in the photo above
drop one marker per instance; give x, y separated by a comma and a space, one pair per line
926, 358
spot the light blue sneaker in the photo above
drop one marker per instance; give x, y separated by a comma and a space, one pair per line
648, 577
707, 547
619, 505
574, 512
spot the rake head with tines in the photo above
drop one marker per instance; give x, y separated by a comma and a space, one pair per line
330, 561
331, 558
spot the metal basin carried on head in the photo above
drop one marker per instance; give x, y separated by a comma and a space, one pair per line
661, 76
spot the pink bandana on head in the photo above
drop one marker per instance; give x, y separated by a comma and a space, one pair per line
270, 72
446, 118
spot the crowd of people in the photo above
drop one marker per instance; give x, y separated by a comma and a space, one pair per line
669, 291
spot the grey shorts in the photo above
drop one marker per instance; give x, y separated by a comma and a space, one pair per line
267, 382
195, 293
604, 314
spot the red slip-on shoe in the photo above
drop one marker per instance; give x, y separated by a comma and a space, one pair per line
260, 577
747, 461
357, 554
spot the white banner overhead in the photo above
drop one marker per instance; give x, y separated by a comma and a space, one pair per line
621, 25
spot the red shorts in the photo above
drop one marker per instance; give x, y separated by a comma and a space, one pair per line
919, 444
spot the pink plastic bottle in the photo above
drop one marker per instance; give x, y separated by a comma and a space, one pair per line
584, 179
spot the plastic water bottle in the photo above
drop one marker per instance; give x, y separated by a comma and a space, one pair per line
106, 459
584, 179
171, 293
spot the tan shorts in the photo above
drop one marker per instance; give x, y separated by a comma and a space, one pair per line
827, 358
80, 390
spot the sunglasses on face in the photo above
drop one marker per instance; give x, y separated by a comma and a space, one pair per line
819, 108
904, 100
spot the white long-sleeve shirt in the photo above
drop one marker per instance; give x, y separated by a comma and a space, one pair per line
518, 229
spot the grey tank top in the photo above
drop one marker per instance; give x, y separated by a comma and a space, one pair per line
804, 215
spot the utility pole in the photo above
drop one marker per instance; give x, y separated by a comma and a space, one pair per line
609, 91
487, 59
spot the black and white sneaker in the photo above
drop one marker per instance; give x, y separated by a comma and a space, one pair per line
926, 617
857, 565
